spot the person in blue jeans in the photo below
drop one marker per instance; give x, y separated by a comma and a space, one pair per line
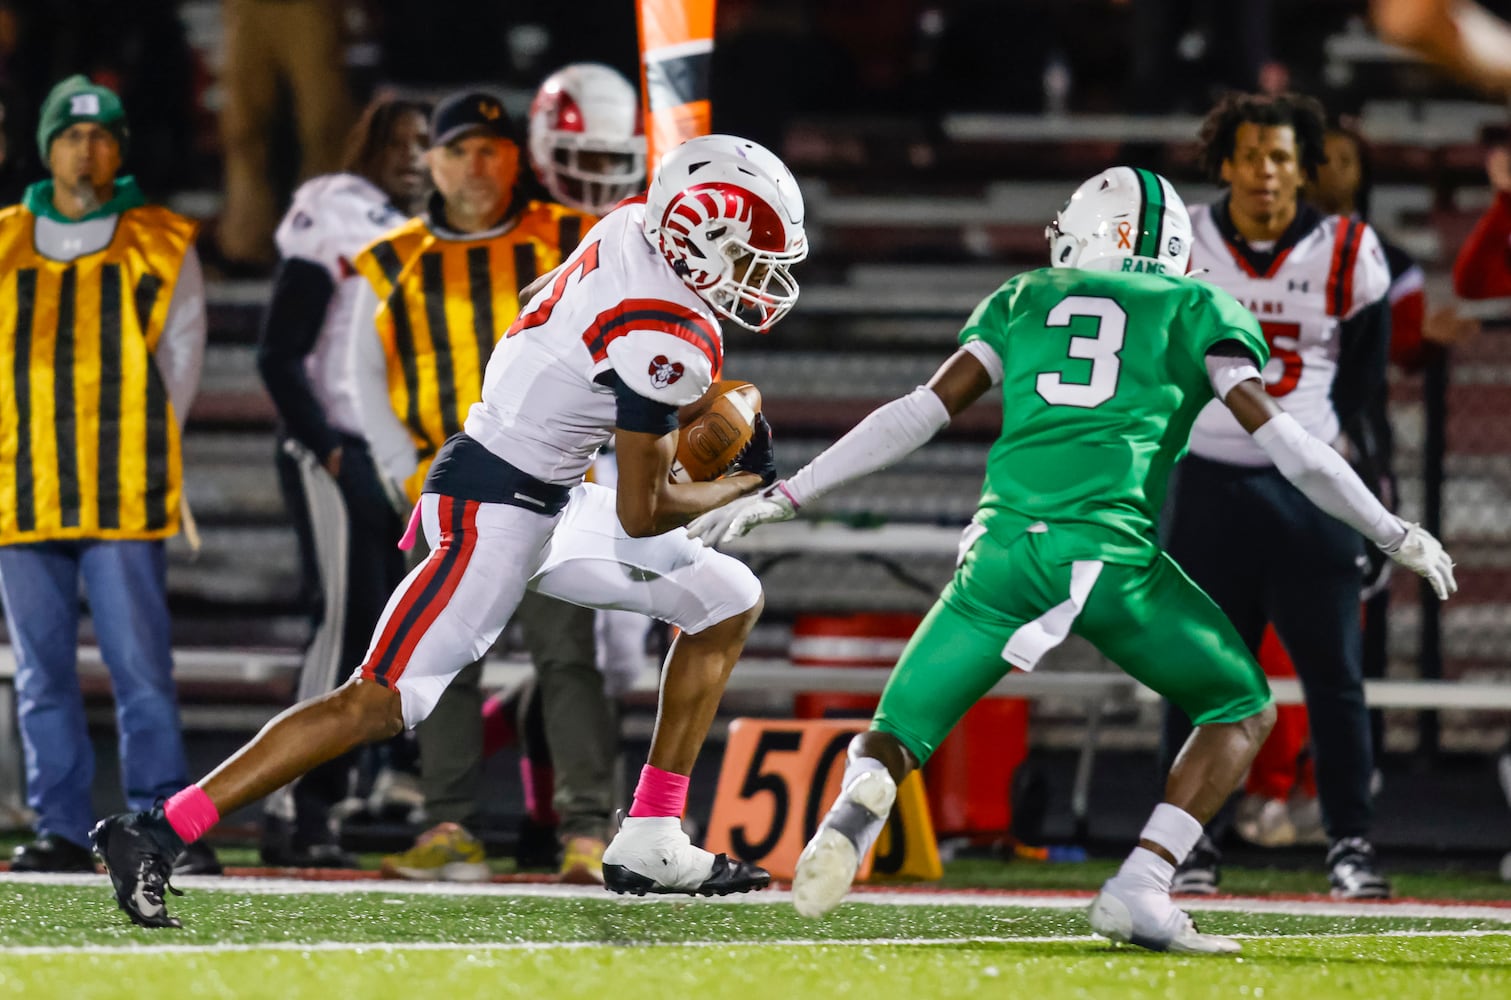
102, 333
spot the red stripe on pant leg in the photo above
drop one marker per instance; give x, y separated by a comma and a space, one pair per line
467, 542
412, 593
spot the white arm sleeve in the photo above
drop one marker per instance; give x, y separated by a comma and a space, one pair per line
1327, 481
891, 432
392, 450
180, 353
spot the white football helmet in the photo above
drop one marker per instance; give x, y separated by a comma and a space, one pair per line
727, 215
1120, 214
587, 140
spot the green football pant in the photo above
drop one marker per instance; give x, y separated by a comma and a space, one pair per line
1009, 604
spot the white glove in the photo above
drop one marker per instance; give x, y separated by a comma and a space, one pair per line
736, 518
1424, 555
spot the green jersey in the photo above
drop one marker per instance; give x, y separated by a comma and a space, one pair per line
1103, 375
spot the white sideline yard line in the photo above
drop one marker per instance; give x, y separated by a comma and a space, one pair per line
998, 900
474, 947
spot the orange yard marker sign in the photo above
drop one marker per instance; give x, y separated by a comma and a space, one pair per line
779, 778
676, 50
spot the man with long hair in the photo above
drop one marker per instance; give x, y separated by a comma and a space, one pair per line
348, 530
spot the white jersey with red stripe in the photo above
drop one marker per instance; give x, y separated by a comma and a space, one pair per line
1301, 301
331, 219
615, 306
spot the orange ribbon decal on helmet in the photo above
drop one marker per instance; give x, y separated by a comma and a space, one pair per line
676, 50
1125, 236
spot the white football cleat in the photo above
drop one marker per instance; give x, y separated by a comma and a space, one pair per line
1150, 920
654, 854
827, 866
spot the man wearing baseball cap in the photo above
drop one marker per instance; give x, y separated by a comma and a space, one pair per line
107, 306
440, 291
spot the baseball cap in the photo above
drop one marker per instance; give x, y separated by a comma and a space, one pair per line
75, 100
473, 111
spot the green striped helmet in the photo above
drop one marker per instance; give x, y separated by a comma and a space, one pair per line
1123, 219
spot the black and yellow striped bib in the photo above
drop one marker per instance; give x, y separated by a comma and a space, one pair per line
90, 447
444, 302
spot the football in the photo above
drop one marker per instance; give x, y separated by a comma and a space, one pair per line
714, 429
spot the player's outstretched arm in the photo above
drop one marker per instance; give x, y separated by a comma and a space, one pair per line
888, 434
1327, 481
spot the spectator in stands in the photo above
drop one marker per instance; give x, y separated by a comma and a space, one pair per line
1318, 285
1343, 187
332, 487
109, 314
454, 276
1483, 267
271, 44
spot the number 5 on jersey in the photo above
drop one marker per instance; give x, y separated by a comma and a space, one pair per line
1101, 349
585, 264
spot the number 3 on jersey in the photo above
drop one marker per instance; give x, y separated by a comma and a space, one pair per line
1101, 349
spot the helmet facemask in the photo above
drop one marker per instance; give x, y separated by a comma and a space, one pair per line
594, 174
755, 288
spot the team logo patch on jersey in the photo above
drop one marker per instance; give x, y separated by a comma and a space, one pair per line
664, 372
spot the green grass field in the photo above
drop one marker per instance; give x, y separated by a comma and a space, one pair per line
245, 938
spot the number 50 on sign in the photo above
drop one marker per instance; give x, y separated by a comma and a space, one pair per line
779, 778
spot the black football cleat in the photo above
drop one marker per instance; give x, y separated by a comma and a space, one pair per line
138, 850
49, 853
1354, 872
1201, 872
727, 877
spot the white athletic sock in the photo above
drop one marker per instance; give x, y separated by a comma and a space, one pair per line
851, 818
856, 766
1146, 870
1172, 828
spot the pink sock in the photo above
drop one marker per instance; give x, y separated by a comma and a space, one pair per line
412, 530
191, 813
499, 728
539, 782
659, 793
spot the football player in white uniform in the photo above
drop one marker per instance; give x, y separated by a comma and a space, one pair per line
621, 335
333, 491
587, 140
1317, 284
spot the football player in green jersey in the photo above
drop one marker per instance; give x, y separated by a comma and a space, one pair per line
1103, 361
